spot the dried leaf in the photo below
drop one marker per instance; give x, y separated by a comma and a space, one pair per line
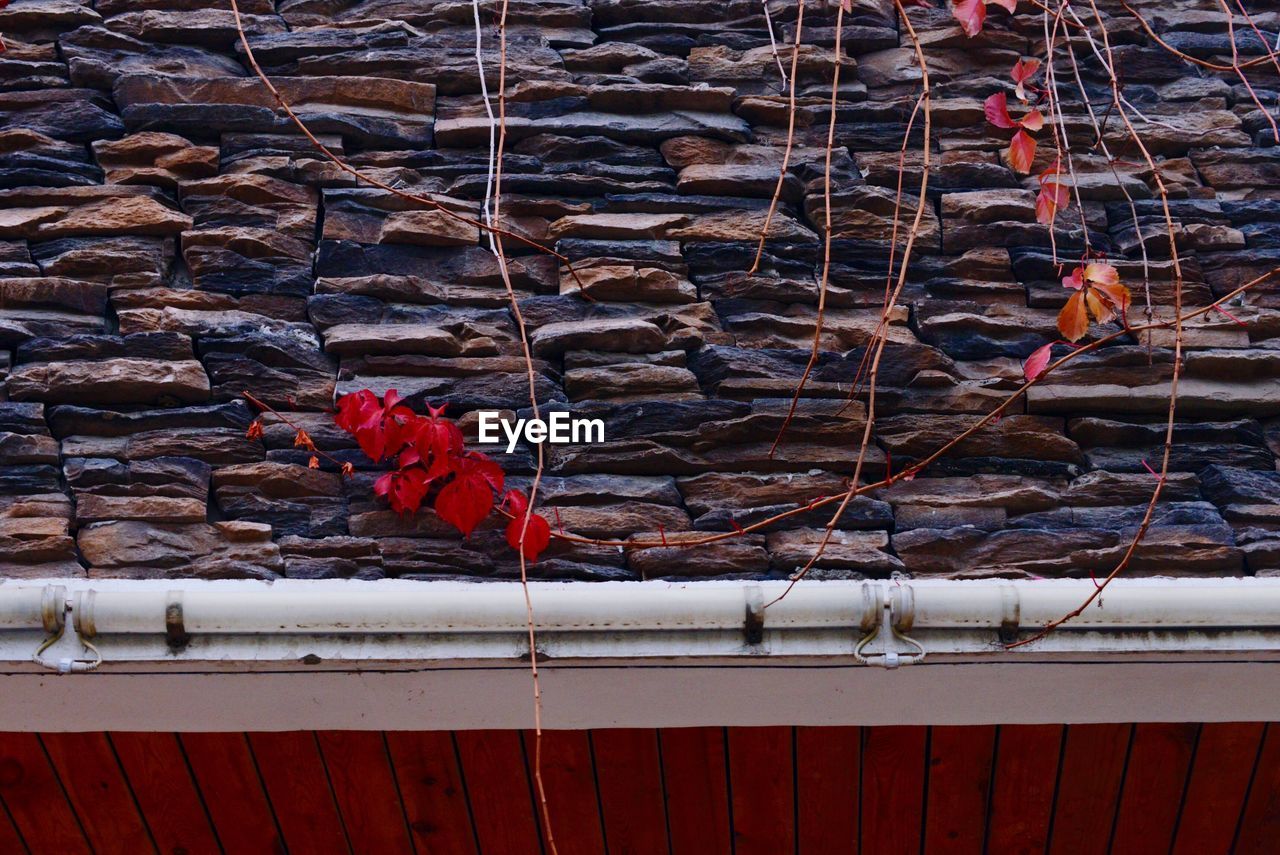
1073, 321
1098, 307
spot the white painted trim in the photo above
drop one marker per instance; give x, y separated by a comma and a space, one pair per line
413, 655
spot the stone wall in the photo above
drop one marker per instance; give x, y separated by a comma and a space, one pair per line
168, 241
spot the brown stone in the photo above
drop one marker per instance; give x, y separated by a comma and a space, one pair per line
110, 381
427, 228
154, 158
194, 549
91, 508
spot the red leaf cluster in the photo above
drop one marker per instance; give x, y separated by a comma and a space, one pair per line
1098, 292
1022, 148
429, 461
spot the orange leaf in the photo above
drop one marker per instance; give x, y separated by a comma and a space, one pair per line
1098, 307
1073, 321
1033, 121
1022, 150
1101, 274
996, 108
1115, 294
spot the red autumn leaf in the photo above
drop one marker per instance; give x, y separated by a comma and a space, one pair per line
1023, 70
996, 108
515, 502
404, 489
468, 498
1037, 362
1073, 320
381, 429
1075, 281
1033, 121
1051, 197
437, 442
970, 14
255, 430
1022, 151
537, 534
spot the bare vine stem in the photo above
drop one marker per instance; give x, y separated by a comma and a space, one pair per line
791, 136
369, 179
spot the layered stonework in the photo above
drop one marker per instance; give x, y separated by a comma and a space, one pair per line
169, 241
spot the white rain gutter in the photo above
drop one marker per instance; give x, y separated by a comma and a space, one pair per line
391, 654
895, 622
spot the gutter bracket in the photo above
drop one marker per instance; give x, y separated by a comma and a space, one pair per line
1010, 614
175, 633
57, 607
753, 623
897, 613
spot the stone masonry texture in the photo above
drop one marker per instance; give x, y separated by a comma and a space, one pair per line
168, 241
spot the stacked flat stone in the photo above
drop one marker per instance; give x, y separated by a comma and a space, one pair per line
168, 240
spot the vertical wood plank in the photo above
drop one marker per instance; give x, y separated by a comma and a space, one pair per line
98, 791
893, 764
431, 786
1089, 788
1216, 790
297, 787
828, 763
762, 783
31, 792
498, 789
171, 806
694, 774
228, 779
569, 780
10, 840
629, 775
1026, 772
1260, 822
365, 790
1152, 794
960, 761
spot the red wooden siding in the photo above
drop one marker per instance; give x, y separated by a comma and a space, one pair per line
1180, 788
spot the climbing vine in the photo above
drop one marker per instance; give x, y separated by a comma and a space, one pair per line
430, 469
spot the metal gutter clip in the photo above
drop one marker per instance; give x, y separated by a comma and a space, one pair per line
897, 611
57, 606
